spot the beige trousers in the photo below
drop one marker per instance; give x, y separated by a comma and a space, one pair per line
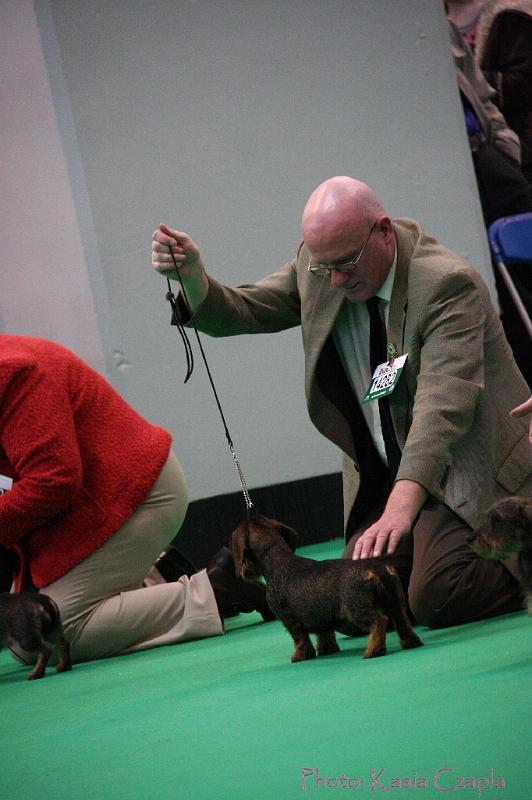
105, 608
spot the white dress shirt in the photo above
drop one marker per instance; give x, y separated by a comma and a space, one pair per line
351, 338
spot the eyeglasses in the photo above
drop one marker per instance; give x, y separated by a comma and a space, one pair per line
349, 265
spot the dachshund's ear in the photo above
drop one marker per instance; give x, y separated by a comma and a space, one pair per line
238, 544
289, 535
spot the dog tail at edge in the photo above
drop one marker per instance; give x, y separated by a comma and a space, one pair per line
53, 618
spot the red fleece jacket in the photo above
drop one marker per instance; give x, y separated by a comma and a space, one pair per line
81, 459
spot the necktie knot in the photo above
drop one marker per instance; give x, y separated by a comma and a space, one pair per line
372, 305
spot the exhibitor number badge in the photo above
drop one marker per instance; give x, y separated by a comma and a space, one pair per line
385, 379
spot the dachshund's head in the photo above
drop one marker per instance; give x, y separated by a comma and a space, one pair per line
253, 539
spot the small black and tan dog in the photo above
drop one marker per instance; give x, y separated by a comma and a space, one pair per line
321, 597
33, 622
507, 529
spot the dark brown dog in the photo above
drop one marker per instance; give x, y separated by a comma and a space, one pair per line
321, 597
32, 621
508, 529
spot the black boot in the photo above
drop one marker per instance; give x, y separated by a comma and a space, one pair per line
232, 594
172, 564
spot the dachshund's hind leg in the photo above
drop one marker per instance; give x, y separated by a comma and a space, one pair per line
65, 664
395, 605
39, 670
377, 636
57, 638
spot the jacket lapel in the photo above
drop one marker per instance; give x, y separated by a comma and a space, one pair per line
396, 331
327, 304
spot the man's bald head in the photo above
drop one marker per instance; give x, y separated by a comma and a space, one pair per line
345, 222
336, 209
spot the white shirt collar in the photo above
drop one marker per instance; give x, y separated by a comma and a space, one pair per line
385, 292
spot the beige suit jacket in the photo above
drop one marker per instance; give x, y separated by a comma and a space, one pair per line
450, 408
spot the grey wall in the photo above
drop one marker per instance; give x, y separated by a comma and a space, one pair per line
44, 283
219, 117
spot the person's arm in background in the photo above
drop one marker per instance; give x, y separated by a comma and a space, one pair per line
506, 61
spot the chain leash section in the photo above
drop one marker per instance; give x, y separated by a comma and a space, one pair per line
245, 492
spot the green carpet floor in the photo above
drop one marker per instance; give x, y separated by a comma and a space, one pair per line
231, 717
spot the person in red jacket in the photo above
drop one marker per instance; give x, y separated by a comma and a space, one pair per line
90, 493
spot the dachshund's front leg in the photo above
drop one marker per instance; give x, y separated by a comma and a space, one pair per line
304, 649
327, 643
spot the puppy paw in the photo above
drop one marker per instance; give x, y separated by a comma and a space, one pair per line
36, 674
328, 649
369, 653
303, 655
409, 644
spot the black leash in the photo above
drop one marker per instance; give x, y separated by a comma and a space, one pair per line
190, 368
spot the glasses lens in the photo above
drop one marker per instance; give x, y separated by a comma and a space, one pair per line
319, 269
344, 268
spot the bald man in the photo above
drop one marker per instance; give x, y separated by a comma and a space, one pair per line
421, 466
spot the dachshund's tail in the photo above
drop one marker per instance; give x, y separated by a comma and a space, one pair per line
52, 617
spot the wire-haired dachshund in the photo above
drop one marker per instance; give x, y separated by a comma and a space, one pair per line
508, 529
33, 622
321, 597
